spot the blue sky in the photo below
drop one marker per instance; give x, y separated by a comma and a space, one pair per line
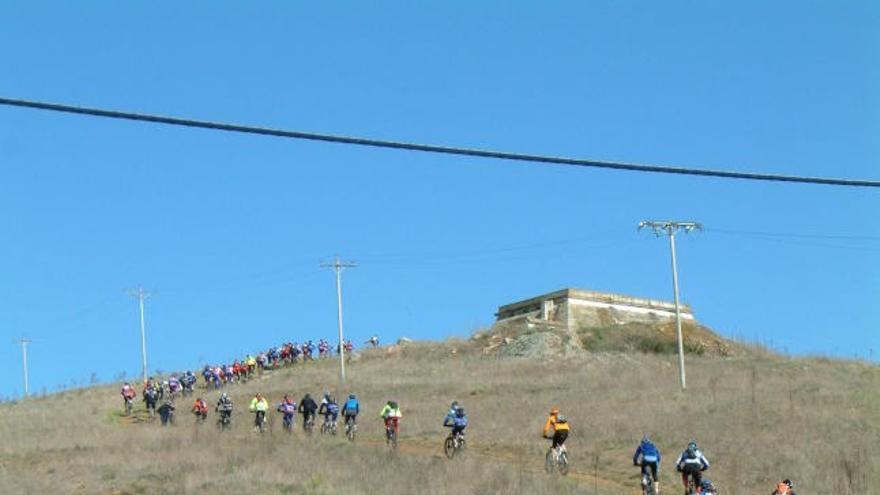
230, 229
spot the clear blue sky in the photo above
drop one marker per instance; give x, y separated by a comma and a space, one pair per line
231, 228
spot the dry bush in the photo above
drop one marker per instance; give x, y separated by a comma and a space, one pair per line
757, 419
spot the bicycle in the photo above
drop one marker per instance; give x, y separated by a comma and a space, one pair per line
328, 427
556, 460
392, 426
350, 428
309, 425
648, 483
454, 444
260, 421
225, 420
691, 479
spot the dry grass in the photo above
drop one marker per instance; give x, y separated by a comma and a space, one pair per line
757, 419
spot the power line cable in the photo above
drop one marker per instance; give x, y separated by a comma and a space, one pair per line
792, 235
432, 148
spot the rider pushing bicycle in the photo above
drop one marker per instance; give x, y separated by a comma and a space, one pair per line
288, 408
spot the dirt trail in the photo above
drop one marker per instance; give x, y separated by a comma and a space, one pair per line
497, 454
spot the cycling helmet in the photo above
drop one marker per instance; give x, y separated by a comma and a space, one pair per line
554, 411
352, 396
307, 396
788, 483
692, 445
459, 412
645, 439
454, 404
561, 419
393, 404
223, 396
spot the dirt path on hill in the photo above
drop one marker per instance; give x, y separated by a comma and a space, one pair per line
499, 455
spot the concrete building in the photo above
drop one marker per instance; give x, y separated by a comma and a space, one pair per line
574, 308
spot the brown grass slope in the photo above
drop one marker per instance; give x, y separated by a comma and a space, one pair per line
757, 418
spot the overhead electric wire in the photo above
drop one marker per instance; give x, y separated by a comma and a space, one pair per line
793, 235
433, 148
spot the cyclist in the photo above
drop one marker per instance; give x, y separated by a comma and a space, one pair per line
373, 341
251, 364
200, 409
151, 397
307, 407
350, 409
692, 463
224, 407
128, 393
288, 408
188, 381
391, 416
559, 425
259, 405
329, 409
458, 421
650, 460
166, 412
784, 487
707, 487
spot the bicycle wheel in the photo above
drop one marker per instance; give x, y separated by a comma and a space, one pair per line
649, 484
549, 462
563, 463
449, 447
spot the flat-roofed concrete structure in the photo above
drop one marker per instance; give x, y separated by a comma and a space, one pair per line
574, 308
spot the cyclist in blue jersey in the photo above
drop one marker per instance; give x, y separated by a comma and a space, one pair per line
648, 457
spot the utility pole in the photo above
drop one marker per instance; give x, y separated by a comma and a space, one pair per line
669, 228
142, 294
24, 342
338, 265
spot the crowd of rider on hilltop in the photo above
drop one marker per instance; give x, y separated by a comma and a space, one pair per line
691, 463
158, 395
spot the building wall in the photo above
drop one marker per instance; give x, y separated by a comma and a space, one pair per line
576, 308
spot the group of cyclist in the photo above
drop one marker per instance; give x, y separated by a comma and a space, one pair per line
289, 353
690, 463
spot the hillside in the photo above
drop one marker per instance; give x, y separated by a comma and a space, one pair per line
757, 417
